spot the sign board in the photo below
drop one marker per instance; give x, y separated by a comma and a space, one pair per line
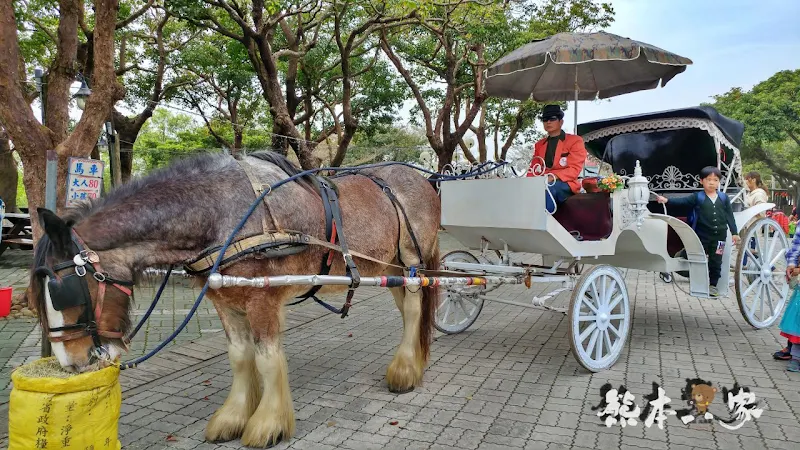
84, 180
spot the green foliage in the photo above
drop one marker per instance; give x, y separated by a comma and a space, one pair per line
770, 112
167, 136
386, 143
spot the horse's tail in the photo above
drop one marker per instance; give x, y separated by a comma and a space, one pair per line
430, 299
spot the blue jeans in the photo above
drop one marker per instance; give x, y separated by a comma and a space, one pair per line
560, 191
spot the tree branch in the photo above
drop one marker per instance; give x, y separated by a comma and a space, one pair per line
426, 113
793, 136
124, 23
105, 92
775, 167
16, 115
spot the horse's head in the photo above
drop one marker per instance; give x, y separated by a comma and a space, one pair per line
83, 310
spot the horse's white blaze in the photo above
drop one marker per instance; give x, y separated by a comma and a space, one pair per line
55, 319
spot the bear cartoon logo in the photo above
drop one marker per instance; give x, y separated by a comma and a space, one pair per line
703, 395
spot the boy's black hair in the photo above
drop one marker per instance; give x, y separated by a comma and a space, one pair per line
710, 170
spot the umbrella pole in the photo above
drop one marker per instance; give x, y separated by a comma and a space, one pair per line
575, 126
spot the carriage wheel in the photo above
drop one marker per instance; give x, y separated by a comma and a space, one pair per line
761, 286
600, 318
459, 306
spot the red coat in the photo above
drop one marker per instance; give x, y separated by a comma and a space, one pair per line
570, 148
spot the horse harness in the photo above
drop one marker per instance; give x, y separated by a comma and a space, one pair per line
272, 244
73, 290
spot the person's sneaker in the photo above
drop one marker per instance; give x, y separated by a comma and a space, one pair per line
794, 365
782, 354
713, 292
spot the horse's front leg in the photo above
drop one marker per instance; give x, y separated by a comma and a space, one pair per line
273, 420
229, 421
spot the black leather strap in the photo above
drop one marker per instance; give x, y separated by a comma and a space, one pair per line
388, 191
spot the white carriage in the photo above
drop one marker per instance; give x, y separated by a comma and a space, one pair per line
501, 216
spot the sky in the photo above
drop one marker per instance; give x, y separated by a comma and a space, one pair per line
732, 43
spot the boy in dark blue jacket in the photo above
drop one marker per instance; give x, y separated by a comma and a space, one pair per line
713, 216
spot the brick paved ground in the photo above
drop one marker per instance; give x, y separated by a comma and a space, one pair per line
509, 381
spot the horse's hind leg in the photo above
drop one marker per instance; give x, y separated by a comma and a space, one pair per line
229, 421
405, 370
273, 420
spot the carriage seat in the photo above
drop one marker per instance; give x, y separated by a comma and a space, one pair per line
586, 216
674, 243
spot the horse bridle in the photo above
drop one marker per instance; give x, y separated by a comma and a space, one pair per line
73, 290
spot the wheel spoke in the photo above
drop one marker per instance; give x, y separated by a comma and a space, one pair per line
616, 316
614, 329
471, 300
592, 326
758, 240
602, 300
607, 340
592, 340
616, 301
610, 292
769, 302
587, 318
753, 259
598, 355
755, 297
589, 304
774, 241
751, 272
446, 312
779, 290
595, 294
761, 301
747, 291
777, 257
467, 314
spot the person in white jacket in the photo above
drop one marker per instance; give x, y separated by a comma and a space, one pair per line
756, 191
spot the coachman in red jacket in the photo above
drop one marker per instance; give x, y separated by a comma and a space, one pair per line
562, 155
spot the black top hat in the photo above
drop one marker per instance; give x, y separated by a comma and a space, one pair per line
550, 111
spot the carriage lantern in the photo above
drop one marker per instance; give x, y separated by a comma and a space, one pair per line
638, 193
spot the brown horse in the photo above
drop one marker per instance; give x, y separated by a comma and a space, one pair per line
172, 215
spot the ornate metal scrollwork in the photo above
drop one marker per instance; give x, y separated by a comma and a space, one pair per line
673, 179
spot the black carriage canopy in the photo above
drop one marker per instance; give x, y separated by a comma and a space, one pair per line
688, 149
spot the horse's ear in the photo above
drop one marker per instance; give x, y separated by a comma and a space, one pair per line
55, 228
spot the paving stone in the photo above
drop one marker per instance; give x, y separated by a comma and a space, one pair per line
509, 382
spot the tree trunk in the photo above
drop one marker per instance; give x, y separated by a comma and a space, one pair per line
480, 136
8, 174
238, 138
31, 139
125, 159
445, 157
127, 133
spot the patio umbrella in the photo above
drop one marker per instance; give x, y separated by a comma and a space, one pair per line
581, 66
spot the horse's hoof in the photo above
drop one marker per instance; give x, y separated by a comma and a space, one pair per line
401, 391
